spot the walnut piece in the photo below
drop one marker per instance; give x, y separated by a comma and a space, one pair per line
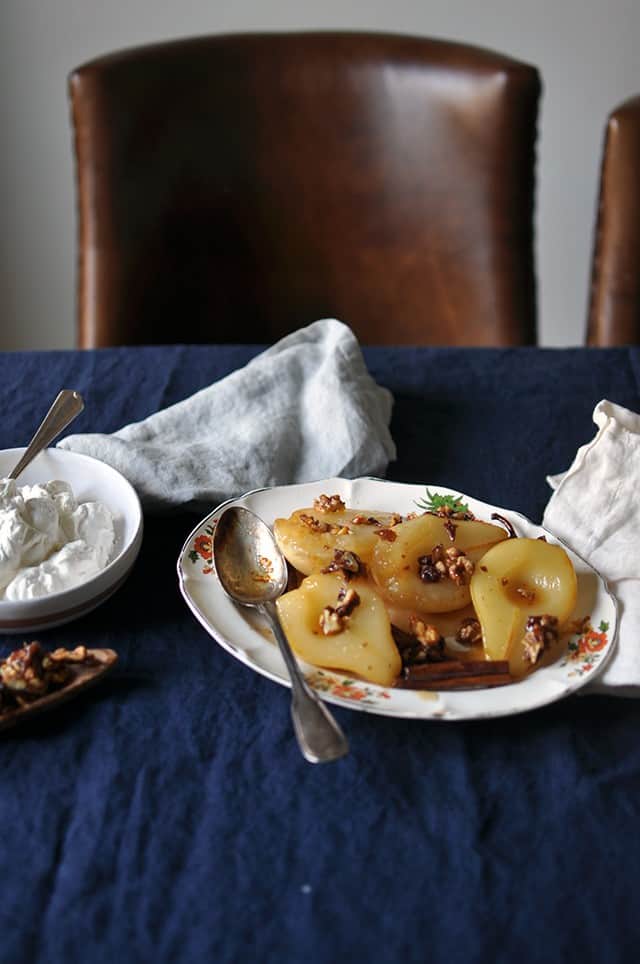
29, 673
328, 503
541, 632
460, 569
77, 655
330, 622
364, 520
348, 600
425, 633
346, 562
469, 632
316, 525
387, 535
333, 620
428, 645
446, 512
441, 563
23, 672
451, 528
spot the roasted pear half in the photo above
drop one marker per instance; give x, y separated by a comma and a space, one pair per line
405, 582
358, 642
516, 580
308, 538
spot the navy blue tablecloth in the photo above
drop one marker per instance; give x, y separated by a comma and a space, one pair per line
167, 816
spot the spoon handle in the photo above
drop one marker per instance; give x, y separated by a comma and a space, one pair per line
319, 737
65, 408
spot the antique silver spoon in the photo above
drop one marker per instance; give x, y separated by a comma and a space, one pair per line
253, 572
65, 408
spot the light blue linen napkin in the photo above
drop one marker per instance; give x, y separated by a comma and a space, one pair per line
304, 409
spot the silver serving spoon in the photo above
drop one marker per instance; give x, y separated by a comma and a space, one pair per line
253, 572
65, 408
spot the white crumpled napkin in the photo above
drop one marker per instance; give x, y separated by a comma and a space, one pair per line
595, 510
304, 409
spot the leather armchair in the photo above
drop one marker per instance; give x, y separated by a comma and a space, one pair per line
234, 188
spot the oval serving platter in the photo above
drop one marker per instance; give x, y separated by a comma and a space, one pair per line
243, 634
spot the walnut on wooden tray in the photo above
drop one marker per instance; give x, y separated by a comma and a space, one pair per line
32, 678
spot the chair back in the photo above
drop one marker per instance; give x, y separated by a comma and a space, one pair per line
614, 301
235, 188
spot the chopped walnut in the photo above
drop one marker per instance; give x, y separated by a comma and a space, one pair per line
387, 535
23, 670
348, 600
428, 645
428, 569
328, 503
469, 632
334, 619
330, 622
446, 512
364, 520
316, 525
441, 563
459, 566
541, 632
451, 528
425, 633
29, 673
77, 655
349, 563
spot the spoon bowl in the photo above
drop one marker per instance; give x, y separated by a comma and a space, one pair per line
249, 563
253, 572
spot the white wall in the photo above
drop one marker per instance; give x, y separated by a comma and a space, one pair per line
586, 51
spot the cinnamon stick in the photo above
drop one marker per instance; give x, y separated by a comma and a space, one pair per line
456, 683
456, 674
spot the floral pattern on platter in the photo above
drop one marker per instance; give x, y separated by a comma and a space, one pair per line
202, 549
585, 651
345, 688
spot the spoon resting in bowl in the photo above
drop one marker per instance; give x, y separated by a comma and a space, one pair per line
253, 573
66, 406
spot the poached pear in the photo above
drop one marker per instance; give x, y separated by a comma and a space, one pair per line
362, 643
308, 538
395, 564
515, 580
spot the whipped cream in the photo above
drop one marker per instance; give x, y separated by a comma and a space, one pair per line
48, 540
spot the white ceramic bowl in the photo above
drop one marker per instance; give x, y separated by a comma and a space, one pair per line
91, 480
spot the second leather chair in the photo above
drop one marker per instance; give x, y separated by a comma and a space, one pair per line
614, 304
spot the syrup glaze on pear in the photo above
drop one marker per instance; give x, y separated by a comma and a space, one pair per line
517, 579
308, 538
395, 564
364, 645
